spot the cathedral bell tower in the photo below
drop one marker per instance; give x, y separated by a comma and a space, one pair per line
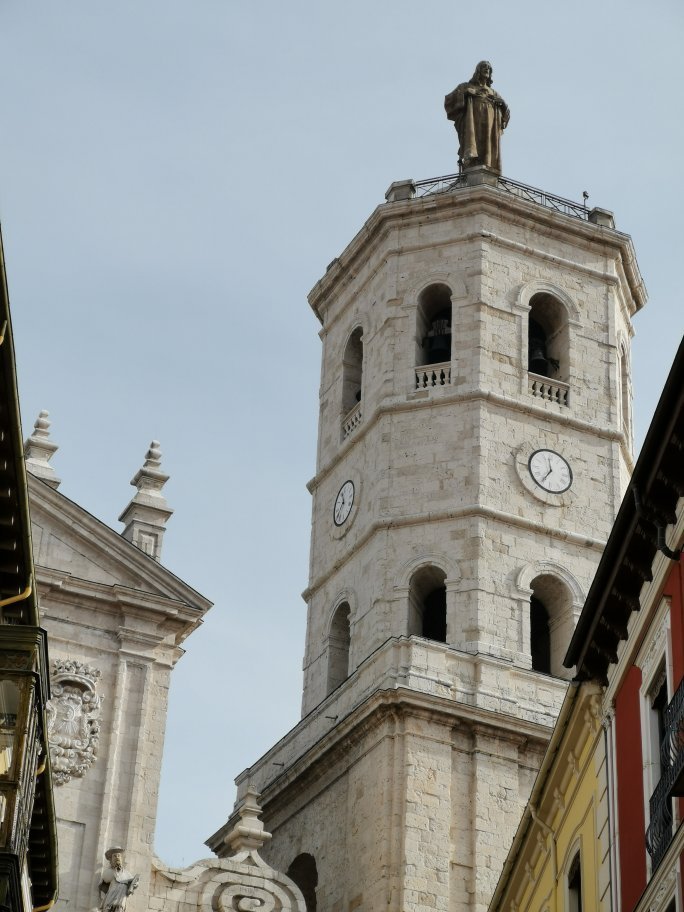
474, 444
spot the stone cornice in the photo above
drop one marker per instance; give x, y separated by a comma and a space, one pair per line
324, 756
401, 404
82, 525
402, 702
171, 615
464, 201
434, 516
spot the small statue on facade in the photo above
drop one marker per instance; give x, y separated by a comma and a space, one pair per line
117, 883
480, 116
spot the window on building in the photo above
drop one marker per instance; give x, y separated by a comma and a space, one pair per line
427, 604
433, 328
339, 641
304, 873
552, 622
352, 371
575, 885
658, 700
548, 338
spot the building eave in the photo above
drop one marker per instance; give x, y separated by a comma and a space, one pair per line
648, 505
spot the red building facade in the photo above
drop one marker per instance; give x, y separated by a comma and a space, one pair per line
630, 638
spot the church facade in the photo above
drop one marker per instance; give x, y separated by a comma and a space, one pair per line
116, 621
474, 445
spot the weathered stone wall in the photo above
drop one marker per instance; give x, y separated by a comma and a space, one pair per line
415, 810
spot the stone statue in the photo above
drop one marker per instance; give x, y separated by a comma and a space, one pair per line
117, 883
480, 116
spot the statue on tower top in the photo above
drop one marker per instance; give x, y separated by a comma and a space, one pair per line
480, 116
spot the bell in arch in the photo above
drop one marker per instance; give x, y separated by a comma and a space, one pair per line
538, 362
439, 339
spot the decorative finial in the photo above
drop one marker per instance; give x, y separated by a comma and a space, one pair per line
153, 456
249, 835
146, 515
480, 116
39, 450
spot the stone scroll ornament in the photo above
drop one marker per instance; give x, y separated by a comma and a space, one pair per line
242, 882
73, 719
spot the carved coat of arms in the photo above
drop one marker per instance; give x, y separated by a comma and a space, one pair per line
72, 719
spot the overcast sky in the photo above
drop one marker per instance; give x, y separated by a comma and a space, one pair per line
174, 177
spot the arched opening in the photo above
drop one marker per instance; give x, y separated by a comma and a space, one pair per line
433, 329
540, 636
575, 885
548, 338
352, 371
304, 873
427, 604
552, 622
339, 641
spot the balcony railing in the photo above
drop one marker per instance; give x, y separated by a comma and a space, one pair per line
351, 421
659, 833
450, 182
672, 748
429, 375
551, 390
440, 184
548, 200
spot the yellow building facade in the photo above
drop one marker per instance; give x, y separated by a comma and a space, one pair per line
559, 859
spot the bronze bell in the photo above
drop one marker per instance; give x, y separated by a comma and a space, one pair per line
439, 340
439, 348
538, 362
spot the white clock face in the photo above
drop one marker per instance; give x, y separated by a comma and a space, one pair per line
550, 471
343, 503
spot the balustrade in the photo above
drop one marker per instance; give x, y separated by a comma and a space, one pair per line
428, 375
551, 390
351, 421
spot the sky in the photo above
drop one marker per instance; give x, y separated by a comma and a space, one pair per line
175, 175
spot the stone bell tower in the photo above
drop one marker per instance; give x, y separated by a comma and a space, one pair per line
474, 445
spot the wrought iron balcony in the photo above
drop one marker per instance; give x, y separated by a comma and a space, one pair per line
672, 748
659, 832
671, 784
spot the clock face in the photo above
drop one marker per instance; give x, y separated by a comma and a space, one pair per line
343, 503
550, 471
